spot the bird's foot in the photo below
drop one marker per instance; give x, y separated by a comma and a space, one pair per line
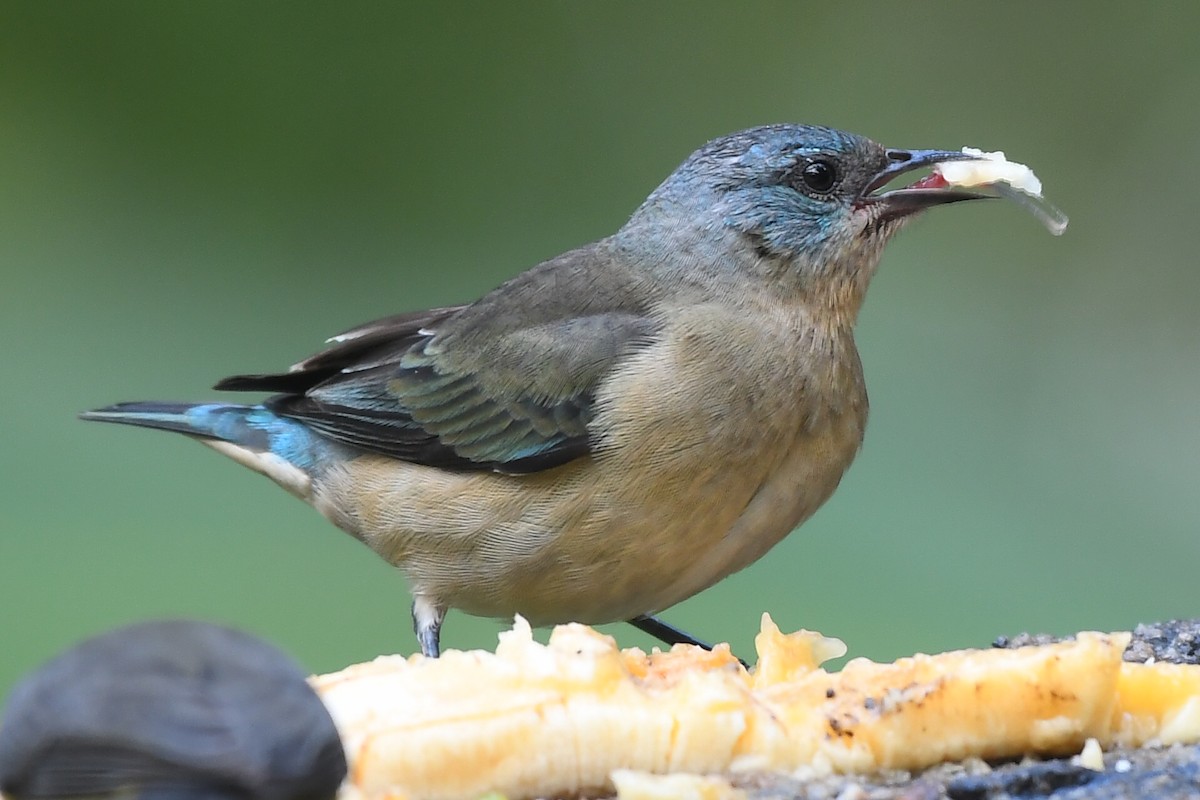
427, 623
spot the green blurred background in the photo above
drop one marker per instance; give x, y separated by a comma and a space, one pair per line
193, 190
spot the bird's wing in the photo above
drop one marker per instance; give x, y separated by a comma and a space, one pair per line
505, 384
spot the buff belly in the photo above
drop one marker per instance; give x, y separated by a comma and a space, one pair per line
594, 541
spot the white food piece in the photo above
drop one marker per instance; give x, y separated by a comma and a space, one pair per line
1092, 757
1183, 723
1008, 179
634, 785
990, 168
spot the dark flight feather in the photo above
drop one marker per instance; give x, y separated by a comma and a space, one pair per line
476, 387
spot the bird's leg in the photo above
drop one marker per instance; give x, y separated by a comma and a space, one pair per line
668, 634
427, 623
665, 632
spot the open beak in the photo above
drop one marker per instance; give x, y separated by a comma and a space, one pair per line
925, 193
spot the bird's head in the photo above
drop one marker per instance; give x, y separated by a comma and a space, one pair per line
807, 199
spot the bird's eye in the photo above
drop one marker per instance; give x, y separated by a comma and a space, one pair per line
819, 176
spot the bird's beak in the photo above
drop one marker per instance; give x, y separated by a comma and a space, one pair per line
930, 191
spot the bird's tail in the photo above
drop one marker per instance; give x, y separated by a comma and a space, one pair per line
248, 426
280, 448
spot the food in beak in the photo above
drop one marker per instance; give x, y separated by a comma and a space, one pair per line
1008, 179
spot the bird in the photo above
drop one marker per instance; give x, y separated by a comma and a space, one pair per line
618, 427
176, 709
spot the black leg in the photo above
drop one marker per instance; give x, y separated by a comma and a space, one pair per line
665, 632
668, 634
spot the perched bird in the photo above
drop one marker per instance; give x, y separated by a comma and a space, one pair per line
170, 709
620, 426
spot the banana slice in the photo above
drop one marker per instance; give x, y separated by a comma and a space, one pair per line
533, 720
